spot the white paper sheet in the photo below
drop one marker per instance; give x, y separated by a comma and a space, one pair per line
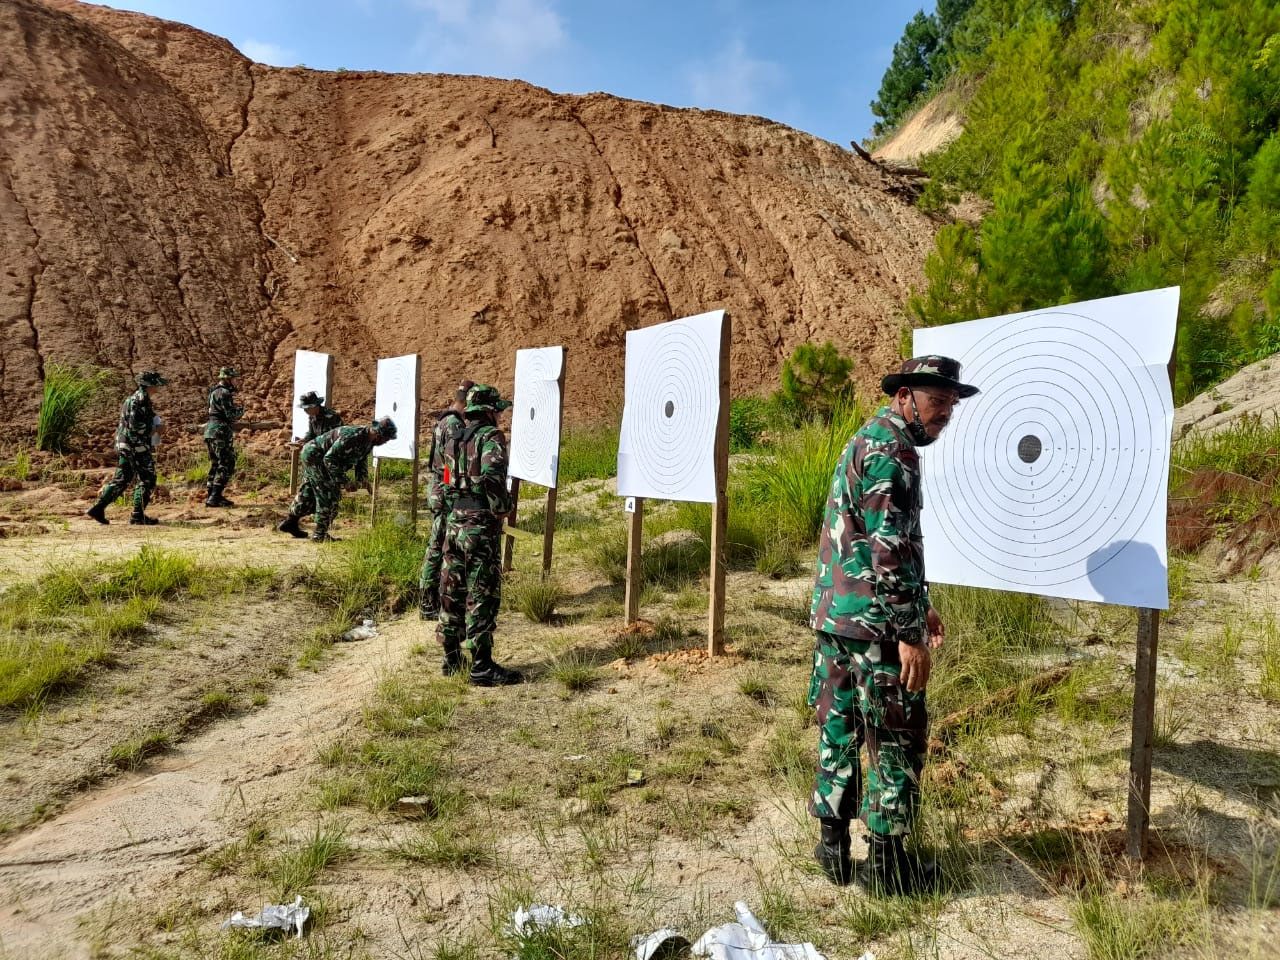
672, 403
396, 396
535, 416
311, 371
1053, 480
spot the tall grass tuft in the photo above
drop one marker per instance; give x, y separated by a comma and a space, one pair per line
793, 484
1246, 447
590, 451
68, 391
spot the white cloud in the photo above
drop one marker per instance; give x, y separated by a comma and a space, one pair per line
273, 54
732, 80
497, 37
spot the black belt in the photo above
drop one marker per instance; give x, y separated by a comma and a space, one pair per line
464, 501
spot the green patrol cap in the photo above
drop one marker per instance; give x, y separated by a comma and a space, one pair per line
928, 371
149, 378
227, 373
483, 398
310, 399
385, 426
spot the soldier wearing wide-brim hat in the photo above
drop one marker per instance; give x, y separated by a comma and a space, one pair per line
223, 412
320, 420
471, 577
874, 628
133, 446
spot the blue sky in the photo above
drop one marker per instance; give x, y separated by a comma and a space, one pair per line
812, 65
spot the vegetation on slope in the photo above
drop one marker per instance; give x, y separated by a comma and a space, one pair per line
1122, 147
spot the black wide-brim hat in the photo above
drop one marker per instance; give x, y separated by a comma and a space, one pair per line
928, 371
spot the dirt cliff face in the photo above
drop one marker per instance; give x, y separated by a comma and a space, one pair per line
165, 203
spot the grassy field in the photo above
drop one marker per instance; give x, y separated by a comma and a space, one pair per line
632, 780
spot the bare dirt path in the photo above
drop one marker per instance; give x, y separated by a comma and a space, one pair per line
132, 839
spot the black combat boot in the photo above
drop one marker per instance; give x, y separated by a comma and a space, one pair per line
321, 535
891, 871
486, 673
429, 607
453, 662
290, 526
832, 852
99, 512
141, 519
216, 499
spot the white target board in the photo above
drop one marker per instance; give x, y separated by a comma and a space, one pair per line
1053, 479
311, 371
396, 396
535, 416
671, 407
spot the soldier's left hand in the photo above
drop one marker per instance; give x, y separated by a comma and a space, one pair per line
937, 631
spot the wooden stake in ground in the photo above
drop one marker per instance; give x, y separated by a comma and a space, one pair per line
1144, 715
373, 496
510, 540
294, 453
635, 570
720, 509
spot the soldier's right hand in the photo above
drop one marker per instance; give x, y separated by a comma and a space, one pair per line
916, 664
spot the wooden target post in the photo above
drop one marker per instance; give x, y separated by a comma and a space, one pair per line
720, 509
719, 517
295, 453
1144, 710
509, 540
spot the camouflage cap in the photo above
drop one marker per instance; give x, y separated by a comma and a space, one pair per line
928, 371
483, 398
385, 426
149, 378
310, 399
227, 373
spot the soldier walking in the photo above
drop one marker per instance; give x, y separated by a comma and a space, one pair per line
223, 412
471, 578
444, 436
326, 460
320, 419
133, 444
875, 626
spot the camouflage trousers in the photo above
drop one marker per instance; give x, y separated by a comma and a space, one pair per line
320, 492
134, 465
433, 559
222, 458
470, 584
861, 701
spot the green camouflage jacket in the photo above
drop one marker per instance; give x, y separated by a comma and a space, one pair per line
222, 411
323, 422
870, 584
341, 449
447, 431
136, 416
478, 474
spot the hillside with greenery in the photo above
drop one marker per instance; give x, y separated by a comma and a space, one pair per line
1120, 147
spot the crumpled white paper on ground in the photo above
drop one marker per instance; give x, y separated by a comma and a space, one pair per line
274, 916
542, 917
366, 631
747, 940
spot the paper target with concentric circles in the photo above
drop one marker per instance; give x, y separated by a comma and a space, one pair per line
396, 396
667, 447
1052, 480
535, 415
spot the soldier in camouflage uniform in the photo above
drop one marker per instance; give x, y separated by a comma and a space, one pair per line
874, 627
223, 412
328, 457
320, 420
471, 579
449, 427
133, 444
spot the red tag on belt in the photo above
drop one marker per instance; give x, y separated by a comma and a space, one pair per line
446, 474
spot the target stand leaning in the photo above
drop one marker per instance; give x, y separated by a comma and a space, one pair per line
396, 395
537, 417
1053, 479
674, 443
311, 371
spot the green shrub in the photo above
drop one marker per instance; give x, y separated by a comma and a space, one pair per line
68, 391
748, 419
815, 382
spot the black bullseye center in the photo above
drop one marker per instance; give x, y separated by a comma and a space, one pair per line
669, 409
1029, 448
532, 412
